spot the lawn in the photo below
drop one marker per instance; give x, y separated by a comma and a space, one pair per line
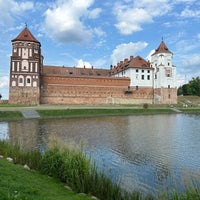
19, 183
10, 114
100, 112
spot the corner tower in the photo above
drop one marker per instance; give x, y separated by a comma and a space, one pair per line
25, 69
165, 89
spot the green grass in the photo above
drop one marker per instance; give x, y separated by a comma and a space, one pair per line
189, 101
13, 105
70, 166
10, 114
66, 165
100, 112
190, 110
20, 184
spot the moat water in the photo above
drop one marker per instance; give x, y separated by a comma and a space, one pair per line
150, 153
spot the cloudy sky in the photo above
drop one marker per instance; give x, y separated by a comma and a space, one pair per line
100, 33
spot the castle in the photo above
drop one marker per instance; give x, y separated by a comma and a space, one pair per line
132, 81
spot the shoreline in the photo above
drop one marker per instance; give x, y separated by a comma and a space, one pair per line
46, 111
10, 113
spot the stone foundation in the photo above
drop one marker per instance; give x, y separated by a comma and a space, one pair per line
165, 96
24, 95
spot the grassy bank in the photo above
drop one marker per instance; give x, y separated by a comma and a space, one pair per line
17, 183
86, 112
190, 110
100, 112
90, 112
65, 165
10, 115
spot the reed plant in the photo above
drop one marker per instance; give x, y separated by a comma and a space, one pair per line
30, 158
73, 167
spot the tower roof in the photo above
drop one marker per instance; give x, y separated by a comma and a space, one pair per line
26, 35
162, 48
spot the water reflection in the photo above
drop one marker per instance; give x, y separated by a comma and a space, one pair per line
24, 133
148, 153
4, 131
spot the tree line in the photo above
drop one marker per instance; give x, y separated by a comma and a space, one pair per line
191, 88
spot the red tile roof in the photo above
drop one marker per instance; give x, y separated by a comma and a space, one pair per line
74, 71
139, 62
26, 35
162, 48
134, 62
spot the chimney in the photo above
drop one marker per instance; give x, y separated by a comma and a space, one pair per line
131, 57
125, 60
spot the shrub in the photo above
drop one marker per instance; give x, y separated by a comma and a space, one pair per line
145, 105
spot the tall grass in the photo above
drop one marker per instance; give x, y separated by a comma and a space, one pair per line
30, 158
71, 166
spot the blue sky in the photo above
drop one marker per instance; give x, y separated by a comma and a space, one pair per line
100, 33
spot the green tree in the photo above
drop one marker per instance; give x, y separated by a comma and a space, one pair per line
191, 88
180, 91
195, 86
186, 89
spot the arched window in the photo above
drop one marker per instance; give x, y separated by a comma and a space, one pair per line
20, 80
28, 81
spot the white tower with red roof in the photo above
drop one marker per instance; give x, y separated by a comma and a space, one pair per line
25, 69
165, 89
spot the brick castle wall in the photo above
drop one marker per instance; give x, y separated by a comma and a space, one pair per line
92, 90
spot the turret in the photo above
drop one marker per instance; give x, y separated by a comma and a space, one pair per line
25, 69
164, 75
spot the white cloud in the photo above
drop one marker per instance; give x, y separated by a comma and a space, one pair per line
188, 68
130, 20
155, 8
94, 13
82, 64
4, 81
186, 46
190, 13
99, 32
192, 61
133, 15
123, 51
12, 8
64, 22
